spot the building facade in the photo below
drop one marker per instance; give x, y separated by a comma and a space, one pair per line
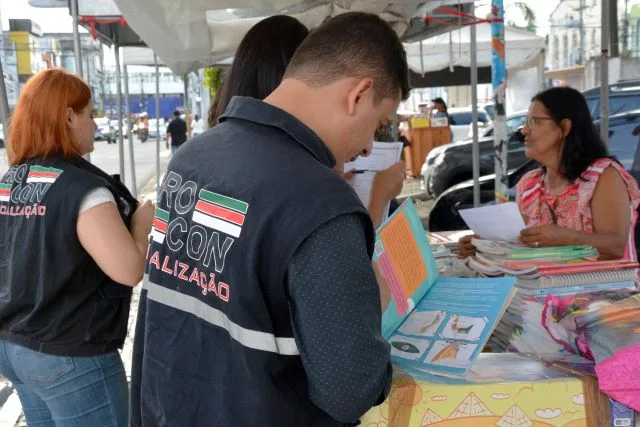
565, 49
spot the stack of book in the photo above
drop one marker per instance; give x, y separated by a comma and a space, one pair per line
496, 258
571, 274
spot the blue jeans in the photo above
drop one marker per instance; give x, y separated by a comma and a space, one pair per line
67, 391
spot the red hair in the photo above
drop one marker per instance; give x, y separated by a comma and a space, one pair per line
39, 125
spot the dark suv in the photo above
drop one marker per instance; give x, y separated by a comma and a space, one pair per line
623, 96
450, 164
624, 138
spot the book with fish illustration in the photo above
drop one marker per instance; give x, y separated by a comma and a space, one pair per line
437, 324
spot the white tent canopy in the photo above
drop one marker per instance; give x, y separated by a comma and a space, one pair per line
188, 35
138, 56
523, 50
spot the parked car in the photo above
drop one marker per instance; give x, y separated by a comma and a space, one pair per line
460, 118
451, 164
514, 122
624, 96
152, 128
116, 129
1, 136
624, 144
104, 131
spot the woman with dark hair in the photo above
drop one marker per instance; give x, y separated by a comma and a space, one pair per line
258, 67
260, 61
580, 195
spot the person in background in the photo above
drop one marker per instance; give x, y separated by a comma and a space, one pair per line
72, 246
438, 108
257, 70
580, 195
176, 132
197, 125
284, 325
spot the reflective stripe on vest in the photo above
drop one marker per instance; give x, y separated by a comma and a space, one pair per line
247, 337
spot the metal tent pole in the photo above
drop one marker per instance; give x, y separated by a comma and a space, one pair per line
155, 60
474, 112
132, 160
76, 37
77, 48
499, 81
119, 102
604, 73
4, 106
186, 104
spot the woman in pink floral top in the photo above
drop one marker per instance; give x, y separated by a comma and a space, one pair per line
579, 195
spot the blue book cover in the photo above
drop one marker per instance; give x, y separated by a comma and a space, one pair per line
433, 323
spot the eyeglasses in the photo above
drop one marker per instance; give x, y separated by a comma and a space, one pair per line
535, 121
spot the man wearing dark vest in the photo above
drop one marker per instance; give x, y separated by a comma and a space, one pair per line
260, 304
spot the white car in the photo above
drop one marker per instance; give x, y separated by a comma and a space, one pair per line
1, 136
116, 129
514, 122
460, 120
152, 128
104, 126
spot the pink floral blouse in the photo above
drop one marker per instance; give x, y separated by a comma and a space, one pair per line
572, 208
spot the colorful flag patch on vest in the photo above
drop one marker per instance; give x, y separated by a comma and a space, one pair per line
5, 192
220, 212
43, 174
160, 224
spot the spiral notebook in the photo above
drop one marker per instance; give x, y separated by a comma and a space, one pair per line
577, 279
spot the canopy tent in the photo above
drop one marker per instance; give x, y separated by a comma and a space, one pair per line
445, 59
189, 35
103, 19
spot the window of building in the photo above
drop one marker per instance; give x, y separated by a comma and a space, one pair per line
565, 50
556, 51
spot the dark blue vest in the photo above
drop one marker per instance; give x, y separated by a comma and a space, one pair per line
215, 345
54, 297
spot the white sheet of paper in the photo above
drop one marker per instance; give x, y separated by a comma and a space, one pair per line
495, 222
383, 155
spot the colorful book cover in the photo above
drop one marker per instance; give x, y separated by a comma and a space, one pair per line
404, 258
437, 324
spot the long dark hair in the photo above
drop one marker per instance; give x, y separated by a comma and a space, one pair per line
260, 61
583, 144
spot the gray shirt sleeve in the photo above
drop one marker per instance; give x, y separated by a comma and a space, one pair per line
336, 314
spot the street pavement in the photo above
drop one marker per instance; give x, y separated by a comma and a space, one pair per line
106, 157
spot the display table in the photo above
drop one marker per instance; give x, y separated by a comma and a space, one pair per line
423, 140
506, 390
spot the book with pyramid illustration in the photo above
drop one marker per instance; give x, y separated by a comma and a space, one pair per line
472, 406
437, 324
430, 418
514, 417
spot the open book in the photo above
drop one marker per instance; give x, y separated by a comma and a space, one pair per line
435, 324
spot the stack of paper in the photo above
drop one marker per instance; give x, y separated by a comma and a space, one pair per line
383, 156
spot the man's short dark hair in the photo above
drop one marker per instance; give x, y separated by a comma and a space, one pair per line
353, 44
176, 113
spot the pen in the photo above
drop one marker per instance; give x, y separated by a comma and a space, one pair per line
359, 171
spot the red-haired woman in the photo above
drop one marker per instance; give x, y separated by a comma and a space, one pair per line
72, 246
